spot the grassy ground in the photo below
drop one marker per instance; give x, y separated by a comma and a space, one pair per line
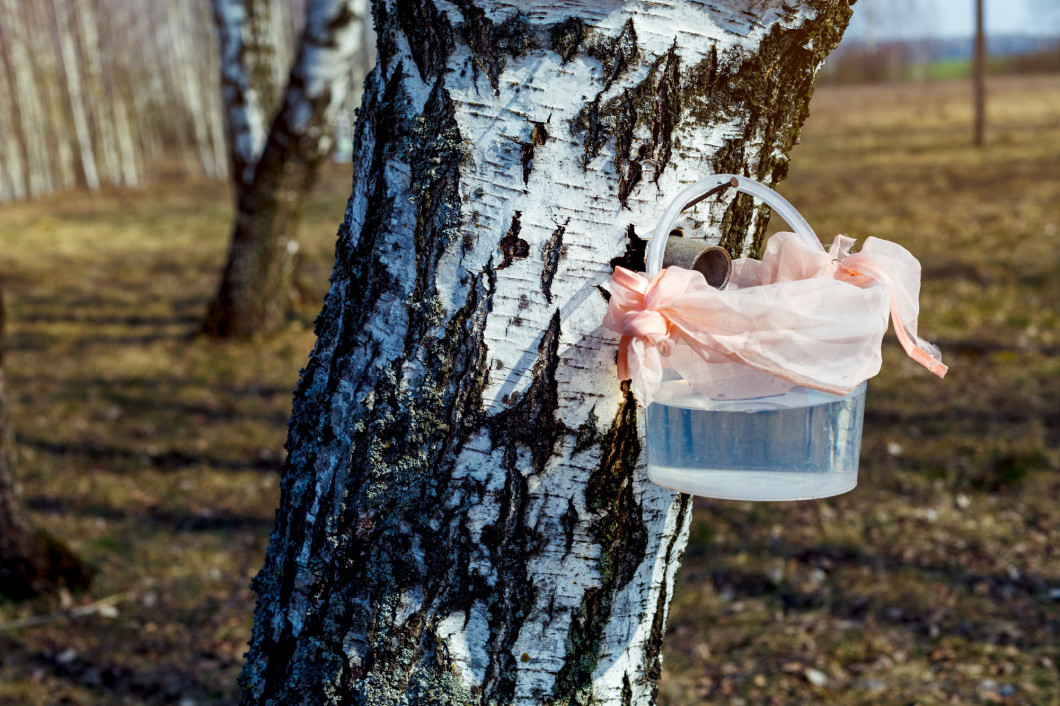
938, 580
155, 455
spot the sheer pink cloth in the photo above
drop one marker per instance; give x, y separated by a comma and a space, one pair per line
799, 316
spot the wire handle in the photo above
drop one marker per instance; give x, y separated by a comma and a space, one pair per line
700, 189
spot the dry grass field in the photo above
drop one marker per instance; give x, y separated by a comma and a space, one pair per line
937, 581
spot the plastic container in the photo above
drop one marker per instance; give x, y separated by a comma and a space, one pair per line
799, 445
796, 445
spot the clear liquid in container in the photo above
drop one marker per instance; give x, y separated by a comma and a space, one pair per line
798, 445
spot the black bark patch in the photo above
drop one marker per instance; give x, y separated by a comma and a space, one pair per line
551, 253
435, 153
493, 44
653, 645
588, 434
566, 37
530, 419
653, 104
569, 520
770, 89
666, 113
538, 137
616, 54
512, 246
633, 257
629, 180
428, 33
623, 540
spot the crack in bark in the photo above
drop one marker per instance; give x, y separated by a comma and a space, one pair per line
654, 103
512, 246
538, 137
633, 256
551, 253
653, 648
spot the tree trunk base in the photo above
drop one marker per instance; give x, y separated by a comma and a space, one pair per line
45, 565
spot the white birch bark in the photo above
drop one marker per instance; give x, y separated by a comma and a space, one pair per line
99, 98
255, 289
252, 78
213, 98
59, 132
71, 68
465, 516
117, 21
12, 175
28, 104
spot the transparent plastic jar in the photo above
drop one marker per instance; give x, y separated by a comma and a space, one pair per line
797, 444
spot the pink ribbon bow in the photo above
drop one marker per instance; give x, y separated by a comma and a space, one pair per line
792, 315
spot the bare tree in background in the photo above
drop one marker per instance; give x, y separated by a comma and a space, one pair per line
107, 92
979, 77
465, 517
31, 560
274, 170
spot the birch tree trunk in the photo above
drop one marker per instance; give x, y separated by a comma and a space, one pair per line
71, 68
465, 518
31, 560
255, 286
100, 100
249, 81
14, 33
12, 174
56, 124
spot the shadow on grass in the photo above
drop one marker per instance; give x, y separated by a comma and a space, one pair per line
1024, 615
165, 683
163, 460
209, 521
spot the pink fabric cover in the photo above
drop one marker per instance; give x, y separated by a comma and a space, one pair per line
799, 316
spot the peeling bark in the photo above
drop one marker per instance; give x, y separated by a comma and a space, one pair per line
465, 518
271, 187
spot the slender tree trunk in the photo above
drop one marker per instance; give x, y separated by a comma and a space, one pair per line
71, 68
189, 84
14, 33
31, 560
116, 21
13, 178
249, 82
167, 31
56, 124
256, 283
465, 518
212, 94
979, 136
99, 98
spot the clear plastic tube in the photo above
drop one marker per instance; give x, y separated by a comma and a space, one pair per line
771, 198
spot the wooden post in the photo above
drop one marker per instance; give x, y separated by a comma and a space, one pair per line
980, 76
